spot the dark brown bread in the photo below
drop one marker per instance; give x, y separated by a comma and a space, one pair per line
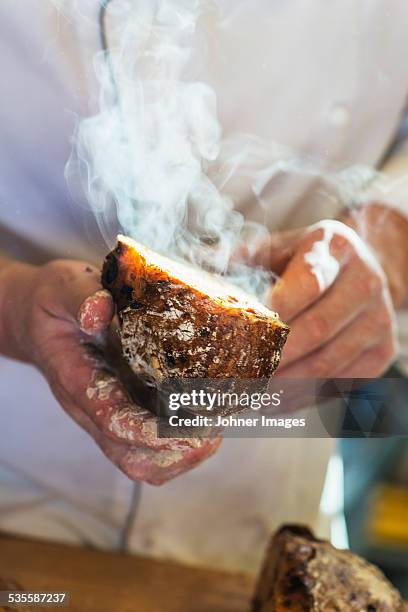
301, 574
180, 322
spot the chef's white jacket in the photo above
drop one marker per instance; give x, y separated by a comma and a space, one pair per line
321, 82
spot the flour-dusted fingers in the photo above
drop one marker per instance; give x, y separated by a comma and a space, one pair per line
354, 292
310, 272
54, 322
332, 280
68, 312
96, 312
143, 464
325, 250
78, 376
368, 329
157, 467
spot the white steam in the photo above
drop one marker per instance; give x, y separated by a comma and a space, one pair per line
149, 152
146, 152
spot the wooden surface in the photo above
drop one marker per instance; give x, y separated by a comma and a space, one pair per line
109, 582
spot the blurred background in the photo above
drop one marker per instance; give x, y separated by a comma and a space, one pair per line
376, 493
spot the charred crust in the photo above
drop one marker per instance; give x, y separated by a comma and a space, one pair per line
296, 530
126, 291
152, 290
170, 359
164, 284
110, 270
120, 249
303, 573
294, 584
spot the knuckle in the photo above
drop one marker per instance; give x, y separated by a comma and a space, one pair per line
377, 322
383, 318
61, 273
56, 267
369, 283
374, 282
54, 276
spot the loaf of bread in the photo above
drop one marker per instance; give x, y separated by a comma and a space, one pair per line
177, 321
301, 574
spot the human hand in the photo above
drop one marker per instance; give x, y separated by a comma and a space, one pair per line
334, 294
62, 315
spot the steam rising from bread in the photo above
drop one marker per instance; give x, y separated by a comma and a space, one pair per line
147, 151
150, 152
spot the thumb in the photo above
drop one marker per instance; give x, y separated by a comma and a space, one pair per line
96, 312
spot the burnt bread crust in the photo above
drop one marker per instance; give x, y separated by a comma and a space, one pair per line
302, 573
170, 327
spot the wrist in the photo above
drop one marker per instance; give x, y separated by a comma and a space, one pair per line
17, 285
385, 230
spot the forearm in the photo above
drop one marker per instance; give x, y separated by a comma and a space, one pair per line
17, 282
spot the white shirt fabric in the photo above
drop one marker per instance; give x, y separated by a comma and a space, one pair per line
326, 82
